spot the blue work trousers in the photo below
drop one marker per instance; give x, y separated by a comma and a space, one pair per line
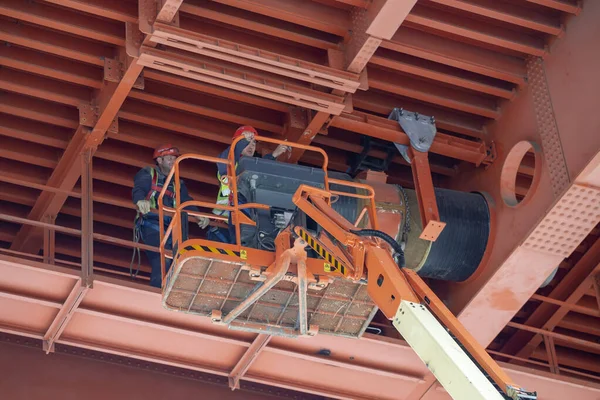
150, 233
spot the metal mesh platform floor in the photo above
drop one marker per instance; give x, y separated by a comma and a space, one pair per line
199, 285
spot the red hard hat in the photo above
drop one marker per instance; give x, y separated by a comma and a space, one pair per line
165, 150
243, 129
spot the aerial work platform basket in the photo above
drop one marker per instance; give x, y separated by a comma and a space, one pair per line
256, 290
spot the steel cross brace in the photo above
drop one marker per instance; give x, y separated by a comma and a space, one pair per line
64, 315
259, 343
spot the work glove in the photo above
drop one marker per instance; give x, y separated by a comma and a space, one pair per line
203, 222
280, 150
143, 206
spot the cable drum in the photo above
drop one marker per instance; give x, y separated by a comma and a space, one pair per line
459, 249
347, 207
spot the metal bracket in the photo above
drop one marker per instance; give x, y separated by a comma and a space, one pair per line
114, 71
420, 129
88, 116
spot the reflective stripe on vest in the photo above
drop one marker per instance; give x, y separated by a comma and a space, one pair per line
224, 195
155, 190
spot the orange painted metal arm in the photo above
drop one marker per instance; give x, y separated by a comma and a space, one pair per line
430, 215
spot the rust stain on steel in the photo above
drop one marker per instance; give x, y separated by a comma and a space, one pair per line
504, 300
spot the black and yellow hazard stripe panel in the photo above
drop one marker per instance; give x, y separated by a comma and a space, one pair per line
215, 250
332, 264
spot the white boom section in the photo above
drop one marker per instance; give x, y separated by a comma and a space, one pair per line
452, 367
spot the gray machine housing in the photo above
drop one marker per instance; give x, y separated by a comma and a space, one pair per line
274, 183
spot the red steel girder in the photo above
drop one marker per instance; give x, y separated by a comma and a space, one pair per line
579, 308
32, 131
64, 315
172, 36
596, 287
60, 44
53, 67
215, 72
457, 99
567, 6
457, 54
236, 374
30, 153
214, 90
385, 129
312, 15
260, 24
38, 110
381, 103
507, 12
118, 10
65, 20
43, 88
439, 20
442, 73
108, 101
64, 177
369, 27
263, 42
523, 344
209, 106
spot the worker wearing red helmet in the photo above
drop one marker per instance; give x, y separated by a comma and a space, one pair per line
147, 185
244, 148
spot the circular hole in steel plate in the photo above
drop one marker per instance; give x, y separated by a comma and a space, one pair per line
520, 173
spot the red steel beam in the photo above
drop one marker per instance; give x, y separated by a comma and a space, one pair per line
369, 27
246, 80
561, 5
571, 307
214, 90
523, 344
107, 103
43, 88
507, 12
188, 101
123, 11
564, 338
580, 324
236, 374
457, 54
65, 20
38, 110
312, 15
401, 85
64, 315
441, 73
32, 131
30, 153
596, 287
439, 20
259, 24
63, 177
254, 57
379, 21
60, 44
382, 103
382, 128
52, 67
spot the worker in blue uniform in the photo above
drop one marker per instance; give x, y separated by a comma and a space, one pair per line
244, 148
147, 185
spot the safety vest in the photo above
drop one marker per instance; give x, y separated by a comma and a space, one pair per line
224, 195
158, 181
